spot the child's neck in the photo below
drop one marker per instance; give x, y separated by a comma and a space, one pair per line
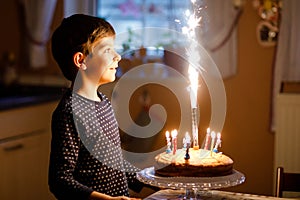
88, 91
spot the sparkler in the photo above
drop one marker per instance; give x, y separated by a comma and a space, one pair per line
193, 55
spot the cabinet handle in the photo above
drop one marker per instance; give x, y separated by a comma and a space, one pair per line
13, 148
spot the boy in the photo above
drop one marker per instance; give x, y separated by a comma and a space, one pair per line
86, 157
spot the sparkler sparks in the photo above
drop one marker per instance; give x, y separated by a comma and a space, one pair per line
194, 57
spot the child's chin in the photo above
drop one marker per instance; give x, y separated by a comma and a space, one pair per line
108, 80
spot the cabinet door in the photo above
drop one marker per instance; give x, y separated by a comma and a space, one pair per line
24, 167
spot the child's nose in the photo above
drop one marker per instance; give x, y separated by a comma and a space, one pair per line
117, 57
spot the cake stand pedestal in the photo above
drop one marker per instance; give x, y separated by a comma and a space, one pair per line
194, 187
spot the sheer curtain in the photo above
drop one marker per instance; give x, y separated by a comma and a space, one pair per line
38, 16
38, 19
217, 33
287, 62
79, 6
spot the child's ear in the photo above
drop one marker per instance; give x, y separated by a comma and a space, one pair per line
78, 60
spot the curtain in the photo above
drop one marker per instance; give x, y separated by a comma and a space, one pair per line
287, 56
217, 33
79, 6
38, 19
287, 62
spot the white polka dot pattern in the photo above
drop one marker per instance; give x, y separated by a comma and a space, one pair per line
86, 153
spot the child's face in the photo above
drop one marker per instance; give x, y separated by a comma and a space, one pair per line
102, 62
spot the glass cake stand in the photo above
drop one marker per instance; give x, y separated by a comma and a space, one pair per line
194, 186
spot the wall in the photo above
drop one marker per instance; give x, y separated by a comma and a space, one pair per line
12, 36
10, 31
246, 135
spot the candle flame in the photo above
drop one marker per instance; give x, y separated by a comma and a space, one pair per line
167, 134
174, 133
208, 130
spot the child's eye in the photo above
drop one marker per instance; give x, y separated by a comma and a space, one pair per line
107, 50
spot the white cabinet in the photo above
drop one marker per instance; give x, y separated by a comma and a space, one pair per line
24, 152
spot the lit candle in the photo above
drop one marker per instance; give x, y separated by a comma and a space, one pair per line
184, 142
174, 140
188, 138
218, 142
207, 138
213, 136
168, 142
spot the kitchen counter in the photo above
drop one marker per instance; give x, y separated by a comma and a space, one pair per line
15, 96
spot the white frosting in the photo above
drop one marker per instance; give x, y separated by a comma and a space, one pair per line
197, 158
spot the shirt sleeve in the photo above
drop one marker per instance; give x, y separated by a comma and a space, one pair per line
65, 146
133, 183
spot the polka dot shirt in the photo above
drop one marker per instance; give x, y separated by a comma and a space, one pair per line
86, 153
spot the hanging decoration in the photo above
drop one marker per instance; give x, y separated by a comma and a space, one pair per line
268, 28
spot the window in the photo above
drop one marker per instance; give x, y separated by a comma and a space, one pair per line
148, 23
217, 33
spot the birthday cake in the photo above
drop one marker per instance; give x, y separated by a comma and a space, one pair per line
201, 163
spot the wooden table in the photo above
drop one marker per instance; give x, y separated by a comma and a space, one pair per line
208, 195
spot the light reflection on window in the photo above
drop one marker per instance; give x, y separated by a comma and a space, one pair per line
135, 15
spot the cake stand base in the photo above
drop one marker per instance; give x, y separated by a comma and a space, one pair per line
194, 194
193, 187
188, 194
